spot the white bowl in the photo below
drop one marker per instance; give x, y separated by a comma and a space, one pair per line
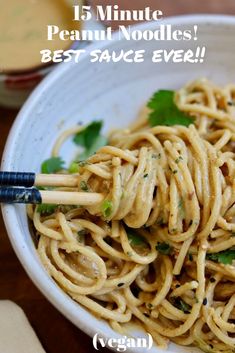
113, 92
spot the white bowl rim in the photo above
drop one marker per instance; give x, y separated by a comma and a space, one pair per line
27, 258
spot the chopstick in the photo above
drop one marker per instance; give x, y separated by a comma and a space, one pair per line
18, 187
33, 179
35, 196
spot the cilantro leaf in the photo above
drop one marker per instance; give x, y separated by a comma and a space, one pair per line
134, 238
164, 248
86, 137
52, 165
91, 139
164, 110
107, 208
99, 142
46, 209
225, 257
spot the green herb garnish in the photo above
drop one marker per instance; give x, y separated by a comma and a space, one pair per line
225, 257
46, 209
52, 165
82, 232
73, 168
107, 208
178, 159
84, 186
82, 163
97, 144
91, 139
164, 248
181, 208
165, 111
134, 238
181, 203
86, 136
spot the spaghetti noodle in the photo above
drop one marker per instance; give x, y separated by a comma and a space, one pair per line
155, 250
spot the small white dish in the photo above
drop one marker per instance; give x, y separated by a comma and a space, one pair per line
114, 93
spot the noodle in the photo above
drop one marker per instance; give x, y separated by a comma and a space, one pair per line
174, 187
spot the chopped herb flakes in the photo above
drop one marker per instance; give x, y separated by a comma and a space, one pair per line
82, 232
46, 209
164, 248
181, 208
178, 159
107, 208
83, 163
134, 238
156, 156
52, 165
181, 203
84, 186
164, 110
225, 257
73, 168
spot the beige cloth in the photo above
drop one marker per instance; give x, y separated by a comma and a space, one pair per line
16, 334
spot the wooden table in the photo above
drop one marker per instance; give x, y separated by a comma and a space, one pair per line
55, 332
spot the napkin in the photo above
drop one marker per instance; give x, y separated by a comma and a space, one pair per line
16, 333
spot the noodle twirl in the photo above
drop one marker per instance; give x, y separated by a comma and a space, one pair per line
160, 249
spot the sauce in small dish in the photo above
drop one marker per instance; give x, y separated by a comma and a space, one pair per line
23, 31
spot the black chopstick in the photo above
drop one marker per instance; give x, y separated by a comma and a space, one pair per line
32, 179
17, 179
55, 197
20, 195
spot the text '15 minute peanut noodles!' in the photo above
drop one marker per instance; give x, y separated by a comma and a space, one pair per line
160, 248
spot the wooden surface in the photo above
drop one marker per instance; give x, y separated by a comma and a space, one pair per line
55, 332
